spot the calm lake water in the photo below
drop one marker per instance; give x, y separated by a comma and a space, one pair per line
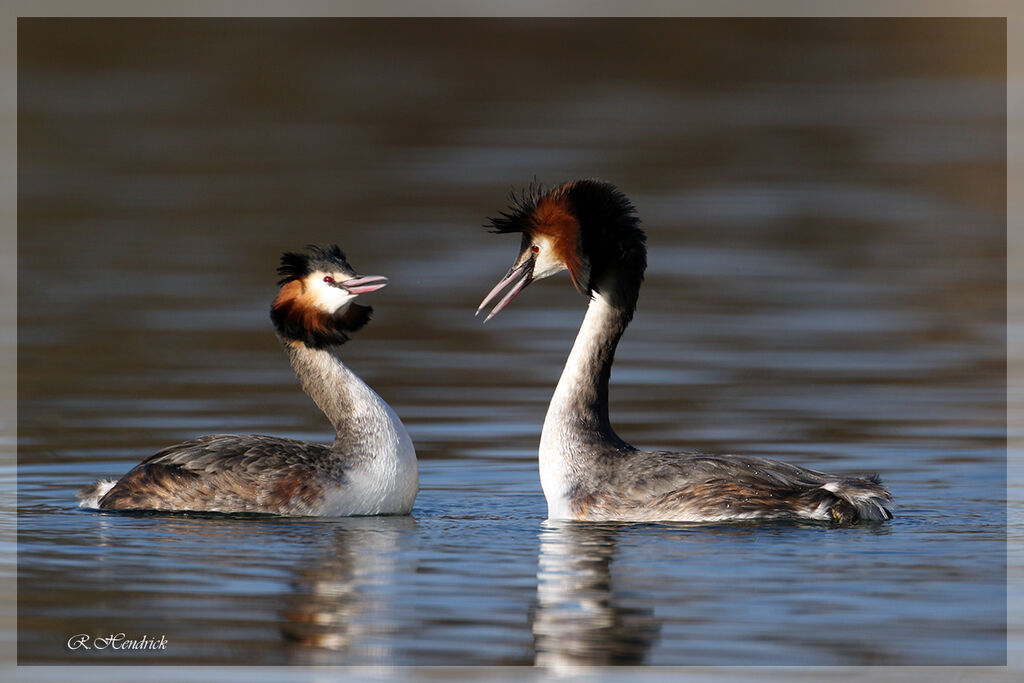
825, 210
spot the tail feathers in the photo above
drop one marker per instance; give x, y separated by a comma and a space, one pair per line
866, 499
89, 496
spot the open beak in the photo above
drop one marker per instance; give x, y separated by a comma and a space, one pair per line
364, 284
518, 276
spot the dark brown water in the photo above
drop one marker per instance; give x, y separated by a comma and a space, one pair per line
825, 210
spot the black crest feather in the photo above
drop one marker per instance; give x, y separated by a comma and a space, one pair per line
295, 266
610, 236
522, 204
609, 226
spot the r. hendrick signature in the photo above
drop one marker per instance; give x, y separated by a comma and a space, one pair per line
116, 641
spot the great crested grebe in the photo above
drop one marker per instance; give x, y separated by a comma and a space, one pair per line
587, 472
370, 469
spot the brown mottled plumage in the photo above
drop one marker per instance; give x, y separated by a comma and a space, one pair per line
227, 472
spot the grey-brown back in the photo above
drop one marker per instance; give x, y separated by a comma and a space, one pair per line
228, 473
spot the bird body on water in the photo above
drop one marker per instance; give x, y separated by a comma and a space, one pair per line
590, 229
369, 469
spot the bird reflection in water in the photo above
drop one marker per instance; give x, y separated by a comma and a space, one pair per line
579, 619
345, 605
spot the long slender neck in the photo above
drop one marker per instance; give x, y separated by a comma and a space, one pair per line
350, 405
579, 406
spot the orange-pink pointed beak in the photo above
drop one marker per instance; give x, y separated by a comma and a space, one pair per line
364, 284
518, 276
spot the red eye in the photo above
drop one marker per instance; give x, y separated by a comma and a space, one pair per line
328, 279
535, 249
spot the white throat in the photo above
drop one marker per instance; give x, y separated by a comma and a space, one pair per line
569, 430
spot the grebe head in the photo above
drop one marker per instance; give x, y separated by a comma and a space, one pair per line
314, 306
587, 227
